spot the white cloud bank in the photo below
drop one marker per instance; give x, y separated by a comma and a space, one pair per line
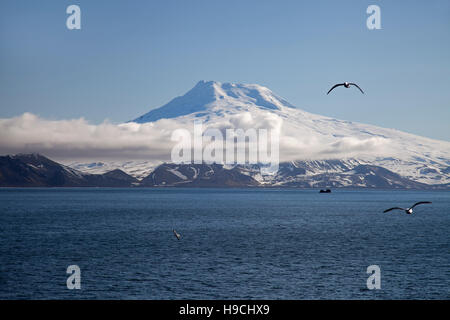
78, 140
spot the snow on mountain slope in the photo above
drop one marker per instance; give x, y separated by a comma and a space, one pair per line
305, 138
138, 169
206, 96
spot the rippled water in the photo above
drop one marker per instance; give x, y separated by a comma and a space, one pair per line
236, 243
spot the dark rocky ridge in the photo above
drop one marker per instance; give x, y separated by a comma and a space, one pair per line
34, 170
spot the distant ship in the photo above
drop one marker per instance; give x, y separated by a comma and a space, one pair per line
325, 191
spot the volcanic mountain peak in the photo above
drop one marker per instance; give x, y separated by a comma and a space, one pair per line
303, 135
207, 95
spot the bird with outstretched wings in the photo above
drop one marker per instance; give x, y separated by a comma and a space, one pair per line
345, 84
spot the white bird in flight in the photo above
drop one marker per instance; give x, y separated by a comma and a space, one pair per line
176, 234
347, 85
407, 210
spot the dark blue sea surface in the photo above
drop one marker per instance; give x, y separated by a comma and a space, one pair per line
236, 244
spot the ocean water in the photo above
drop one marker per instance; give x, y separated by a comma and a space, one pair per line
236, 244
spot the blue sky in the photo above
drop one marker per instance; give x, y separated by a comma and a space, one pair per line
132, 56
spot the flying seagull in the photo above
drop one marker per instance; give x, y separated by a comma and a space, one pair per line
176, 234
347, 85
407, 210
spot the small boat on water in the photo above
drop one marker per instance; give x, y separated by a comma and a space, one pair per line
325, 191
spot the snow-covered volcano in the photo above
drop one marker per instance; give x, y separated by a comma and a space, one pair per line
307, 141
211, 97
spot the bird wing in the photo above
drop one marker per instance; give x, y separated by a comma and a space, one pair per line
354, 84
387, 210
336, 85
420, 202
